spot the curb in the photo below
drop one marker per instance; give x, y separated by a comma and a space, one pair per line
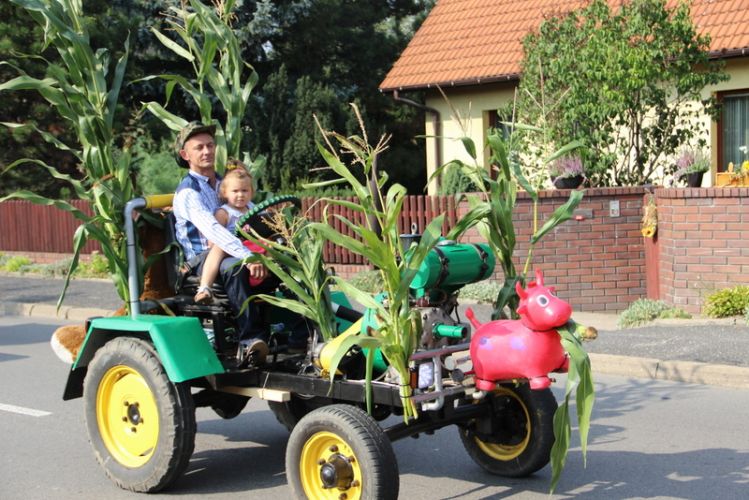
689, 372
50, 311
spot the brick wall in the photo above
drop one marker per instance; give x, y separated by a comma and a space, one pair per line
595, 261
702, 243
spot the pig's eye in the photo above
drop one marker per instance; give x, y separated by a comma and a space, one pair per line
543, 300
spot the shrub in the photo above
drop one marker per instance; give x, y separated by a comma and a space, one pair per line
16, 264
98, 265
368, 281
483, 291
746, 315
56, 269
727, 302
643, 311
454, 181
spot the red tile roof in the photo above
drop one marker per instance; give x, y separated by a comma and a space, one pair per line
466, 42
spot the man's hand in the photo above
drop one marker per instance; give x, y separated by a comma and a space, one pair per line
257, 270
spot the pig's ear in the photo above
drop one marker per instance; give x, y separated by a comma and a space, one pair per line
521, 292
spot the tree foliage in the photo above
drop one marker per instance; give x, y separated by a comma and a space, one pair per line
625, 82
319, 56
311, 55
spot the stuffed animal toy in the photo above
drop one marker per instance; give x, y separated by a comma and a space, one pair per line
67, 340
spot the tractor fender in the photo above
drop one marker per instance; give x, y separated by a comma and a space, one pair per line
182, 345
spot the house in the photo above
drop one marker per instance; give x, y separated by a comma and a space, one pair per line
472, 50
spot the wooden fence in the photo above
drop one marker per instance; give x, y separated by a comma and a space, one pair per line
417, 212
25, 227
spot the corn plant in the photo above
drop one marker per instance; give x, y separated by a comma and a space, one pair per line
398, 325
296, 259
209, 44
85, 94
491, 212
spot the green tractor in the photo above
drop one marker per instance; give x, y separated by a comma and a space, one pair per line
142, 376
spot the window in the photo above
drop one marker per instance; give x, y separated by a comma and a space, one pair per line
495, 122
734, 129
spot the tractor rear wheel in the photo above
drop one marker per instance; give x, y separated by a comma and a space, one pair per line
516, 440
289, 413
140, 424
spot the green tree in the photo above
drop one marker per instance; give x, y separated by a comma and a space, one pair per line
332, 48
343, 48
622, 82
19, 36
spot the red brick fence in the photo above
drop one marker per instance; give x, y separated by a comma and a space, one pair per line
597, 260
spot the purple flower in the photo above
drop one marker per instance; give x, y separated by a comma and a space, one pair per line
567, 166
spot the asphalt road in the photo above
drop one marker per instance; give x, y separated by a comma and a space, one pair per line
649, 439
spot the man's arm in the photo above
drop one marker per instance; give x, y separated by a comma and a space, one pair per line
207, 224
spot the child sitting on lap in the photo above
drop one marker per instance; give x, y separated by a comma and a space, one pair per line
236, 189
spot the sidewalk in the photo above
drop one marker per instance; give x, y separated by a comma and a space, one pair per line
702, 351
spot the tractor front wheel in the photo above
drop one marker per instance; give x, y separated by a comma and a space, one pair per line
339, 451
140, 424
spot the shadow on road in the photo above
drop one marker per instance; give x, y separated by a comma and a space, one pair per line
26, 333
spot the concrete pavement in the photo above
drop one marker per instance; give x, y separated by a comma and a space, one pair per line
699, 350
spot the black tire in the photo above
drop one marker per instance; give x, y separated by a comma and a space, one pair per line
289, 413
140, 424
323, 445
518, 440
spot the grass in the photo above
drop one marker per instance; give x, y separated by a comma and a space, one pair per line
95, 267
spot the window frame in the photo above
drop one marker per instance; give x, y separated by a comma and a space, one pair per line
722, 165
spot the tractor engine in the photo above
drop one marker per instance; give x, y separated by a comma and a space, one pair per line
445, 270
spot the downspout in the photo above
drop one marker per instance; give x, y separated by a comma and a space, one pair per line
437, 120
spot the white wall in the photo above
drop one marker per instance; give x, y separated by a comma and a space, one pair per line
472, 103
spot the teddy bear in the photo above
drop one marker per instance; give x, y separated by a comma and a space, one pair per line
67, 340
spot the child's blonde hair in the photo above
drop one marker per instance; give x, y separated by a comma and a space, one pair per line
235, 169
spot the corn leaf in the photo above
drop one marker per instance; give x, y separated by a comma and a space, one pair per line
560, 215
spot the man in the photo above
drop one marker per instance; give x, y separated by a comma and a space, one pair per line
195, 202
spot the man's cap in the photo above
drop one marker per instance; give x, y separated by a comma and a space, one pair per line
189, 130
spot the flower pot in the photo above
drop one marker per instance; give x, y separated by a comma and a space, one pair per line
694, 180
568, 182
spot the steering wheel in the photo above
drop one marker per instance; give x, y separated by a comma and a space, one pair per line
255, 217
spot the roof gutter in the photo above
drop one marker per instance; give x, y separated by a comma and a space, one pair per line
437, 120
725, 53
506, 78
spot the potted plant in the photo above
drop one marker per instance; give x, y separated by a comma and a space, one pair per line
691, 165
567, 172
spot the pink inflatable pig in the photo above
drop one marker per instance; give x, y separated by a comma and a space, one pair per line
527, 348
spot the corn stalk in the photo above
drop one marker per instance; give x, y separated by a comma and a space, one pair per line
398, 325
83, 92
206, 40
491, 212
297, 260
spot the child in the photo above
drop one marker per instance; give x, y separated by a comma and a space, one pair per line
236, 190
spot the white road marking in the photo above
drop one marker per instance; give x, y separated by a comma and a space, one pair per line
24, 411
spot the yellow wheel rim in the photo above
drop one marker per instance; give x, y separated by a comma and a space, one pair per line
507, 452
329, 468
127, 416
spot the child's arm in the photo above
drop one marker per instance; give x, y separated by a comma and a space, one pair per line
222, 216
